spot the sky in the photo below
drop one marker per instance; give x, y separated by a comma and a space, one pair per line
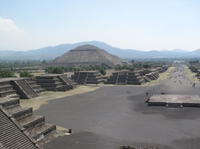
129, 24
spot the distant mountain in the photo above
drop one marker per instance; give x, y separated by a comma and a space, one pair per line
48, 53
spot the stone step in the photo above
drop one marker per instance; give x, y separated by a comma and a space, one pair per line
64, 88
7, 92
4, 83
9, 102
31, 82
39, 90
39, 132
35, 85
20, 113
55, 88
47, 80
46, 84
32, 121
6, 87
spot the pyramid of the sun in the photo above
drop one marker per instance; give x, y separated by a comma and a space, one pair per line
87, 55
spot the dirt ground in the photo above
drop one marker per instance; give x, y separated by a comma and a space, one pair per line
111, 116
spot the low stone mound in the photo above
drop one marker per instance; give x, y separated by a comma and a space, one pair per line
174, 100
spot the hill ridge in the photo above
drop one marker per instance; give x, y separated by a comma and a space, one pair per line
52, 52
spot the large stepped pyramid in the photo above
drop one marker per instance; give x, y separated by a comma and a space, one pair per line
86, 55
87, 77
32, 125
55, 82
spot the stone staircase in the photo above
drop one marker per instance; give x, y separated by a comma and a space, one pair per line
24, 89
67, 81
32, 125
36, 87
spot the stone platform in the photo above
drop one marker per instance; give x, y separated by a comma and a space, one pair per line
174, 100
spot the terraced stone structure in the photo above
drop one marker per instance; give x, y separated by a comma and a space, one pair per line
163, 68
151, 76
55, 82
32, 125
125, 77
193, 69
87, 77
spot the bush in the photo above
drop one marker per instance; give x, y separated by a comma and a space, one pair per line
55, 70
25, 74
6, 73
102, 71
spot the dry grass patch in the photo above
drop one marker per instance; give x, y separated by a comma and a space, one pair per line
45, 97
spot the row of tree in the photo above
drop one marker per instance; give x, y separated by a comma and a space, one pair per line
5, 73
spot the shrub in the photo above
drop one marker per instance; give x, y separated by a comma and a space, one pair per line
6, 73
102, 71
25, 74
55, 70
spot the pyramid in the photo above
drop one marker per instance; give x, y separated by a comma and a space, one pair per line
87, 55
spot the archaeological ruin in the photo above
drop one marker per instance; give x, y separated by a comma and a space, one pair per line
87, 77
55, 82
125, 77
87, 55
29, 125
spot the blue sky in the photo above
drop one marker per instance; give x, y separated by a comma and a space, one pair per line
135, 24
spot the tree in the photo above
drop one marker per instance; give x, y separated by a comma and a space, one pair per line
55, 70
25, 74
102, 71
6, 73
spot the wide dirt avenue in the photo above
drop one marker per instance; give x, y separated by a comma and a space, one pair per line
118, 115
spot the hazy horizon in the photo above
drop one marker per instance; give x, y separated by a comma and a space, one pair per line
127, 24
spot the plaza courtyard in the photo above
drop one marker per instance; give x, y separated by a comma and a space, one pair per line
118, 115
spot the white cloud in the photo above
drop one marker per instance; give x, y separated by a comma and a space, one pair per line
11, 36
